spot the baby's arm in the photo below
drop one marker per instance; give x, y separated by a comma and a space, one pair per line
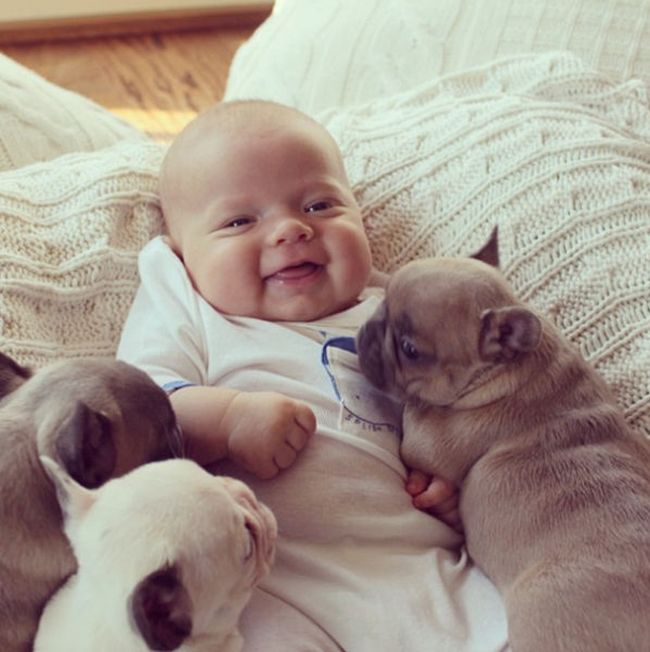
263, 432
436, 496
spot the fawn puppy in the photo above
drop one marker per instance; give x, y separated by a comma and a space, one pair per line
554, 486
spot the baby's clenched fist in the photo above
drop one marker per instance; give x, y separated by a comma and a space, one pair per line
267, 430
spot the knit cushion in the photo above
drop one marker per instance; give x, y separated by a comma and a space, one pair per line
559, 158
344, 52
71, 232
40, 121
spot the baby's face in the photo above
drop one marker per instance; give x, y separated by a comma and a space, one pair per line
268, 226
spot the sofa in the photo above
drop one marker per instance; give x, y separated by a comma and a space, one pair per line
453, 117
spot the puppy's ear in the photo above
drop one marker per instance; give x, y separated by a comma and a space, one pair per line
74, 499
85, 446
12, 375
508, 332
370, 347
161, 609
489, 253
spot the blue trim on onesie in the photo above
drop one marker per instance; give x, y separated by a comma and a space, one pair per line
173, 385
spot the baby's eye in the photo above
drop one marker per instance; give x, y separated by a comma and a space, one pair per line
240, 220
316, 206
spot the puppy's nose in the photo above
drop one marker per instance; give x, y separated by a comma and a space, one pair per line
290, 230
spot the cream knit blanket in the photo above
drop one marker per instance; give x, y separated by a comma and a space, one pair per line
557, 156
71, 232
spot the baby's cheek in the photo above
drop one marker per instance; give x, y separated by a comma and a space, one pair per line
357, 266
230, 294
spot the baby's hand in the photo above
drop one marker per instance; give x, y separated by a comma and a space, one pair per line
267, 431
436, 496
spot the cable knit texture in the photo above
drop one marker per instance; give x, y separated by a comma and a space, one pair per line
326, 53
40, 121
556, 155
71, 232
559, 158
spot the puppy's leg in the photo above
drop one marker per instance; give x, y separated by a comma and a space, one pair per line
572, 598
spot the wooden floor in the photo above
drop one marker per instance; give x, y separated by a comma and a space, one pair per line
156, 81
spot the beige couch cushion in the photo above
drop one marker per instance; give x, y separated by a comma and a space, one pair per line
40, 121
71, 232
319, 54
555, 154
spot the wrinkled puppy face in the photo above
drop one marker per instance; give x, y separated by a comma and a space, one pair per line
172, 551
444, 326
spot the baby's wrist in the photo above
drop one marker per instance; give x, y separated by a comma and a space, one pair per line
231, 412
237, 427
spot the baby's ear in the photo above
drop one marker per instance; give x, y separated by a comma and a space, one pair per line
75, 500
161, 609
508, 332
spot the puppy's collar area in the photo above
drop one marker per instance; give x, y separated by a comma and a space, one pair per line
480, 378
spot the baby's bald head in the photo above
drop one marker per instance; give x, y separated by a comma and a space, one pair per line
260, 211
212, 132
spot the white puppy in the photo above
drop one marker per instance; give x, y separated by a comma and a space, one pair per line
168, 556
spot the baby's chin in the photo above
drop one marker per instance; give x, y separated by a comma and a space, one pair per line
296, 307
304, 311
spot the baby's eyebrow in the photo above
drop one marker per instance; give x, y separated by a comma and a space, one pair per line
225, 208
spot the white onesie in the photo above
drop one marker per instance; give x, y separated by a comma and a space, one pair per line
357, 564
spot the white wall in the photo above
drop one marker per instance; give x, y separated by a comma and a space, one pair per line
18, 10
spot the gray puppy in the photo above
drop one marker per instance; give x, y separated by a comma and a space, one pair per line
98, 419
555, 488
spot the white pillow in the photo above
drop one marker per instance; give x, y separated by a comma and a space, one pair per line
40, 121
324, 53
71, 232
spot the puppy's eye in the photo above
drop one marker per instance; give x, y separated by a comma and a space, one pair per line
250, 542
408, 349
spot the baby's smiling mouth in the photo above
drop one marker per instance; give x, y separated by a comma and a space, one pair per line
295, 272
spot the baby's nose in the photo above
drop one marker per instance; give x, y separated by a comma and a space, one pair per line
289, 230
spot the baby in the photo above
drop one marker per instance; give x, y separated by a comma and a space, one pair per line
247, 313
